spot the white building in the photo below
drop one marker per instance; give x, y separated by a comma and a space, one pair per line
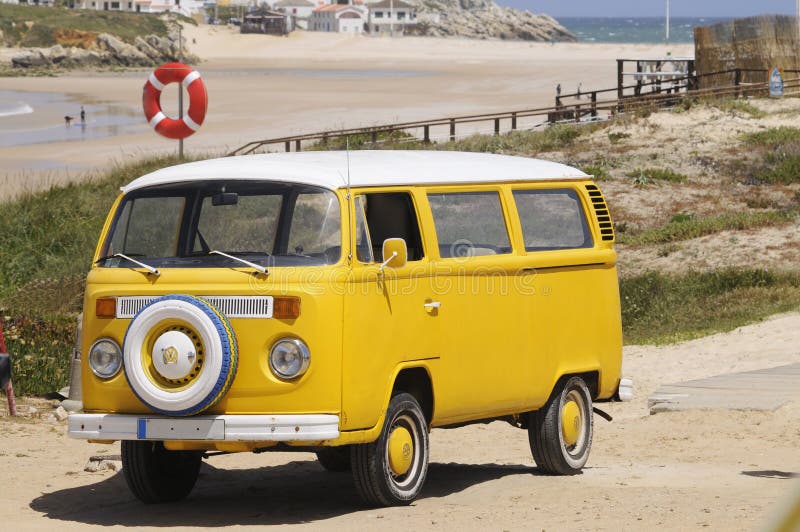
390, 17
299, 11
338, 18
185, 7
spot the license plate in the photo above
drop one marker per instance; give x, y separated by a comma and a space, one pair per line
180, 429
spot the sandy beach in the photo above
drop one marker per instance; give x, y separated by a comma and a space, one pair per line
700, 469
263, 86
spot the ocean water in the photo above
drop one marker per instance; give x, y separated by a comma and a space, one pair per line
635, 30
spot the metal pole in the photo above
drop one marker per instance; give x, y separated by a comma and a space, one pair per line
391, 18
667, 29
180, 88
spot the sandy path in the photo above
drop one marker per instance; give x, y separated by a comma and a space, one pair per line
263, 86
724, 470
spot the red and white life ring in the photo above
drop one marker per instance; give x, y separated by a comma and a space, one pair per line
198, 100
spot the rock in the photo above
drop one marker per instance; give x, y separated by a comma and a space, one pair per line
60, 413
30, 58
124, 53
148, 50
93, 466
56, 54
483, 19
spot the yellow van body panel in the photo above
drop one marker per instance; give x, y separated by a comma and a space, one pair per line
507, 328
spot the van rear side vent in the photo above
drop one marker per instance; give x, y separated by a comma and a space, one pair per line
602, 213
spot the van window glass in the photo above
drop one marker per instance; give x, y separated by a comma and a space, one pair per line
392, 215
469, 224
552, 219
249, 225
315, 225
363, 244
151, 227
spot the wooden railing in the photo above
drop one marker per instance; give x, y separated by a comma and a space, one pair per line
568, 108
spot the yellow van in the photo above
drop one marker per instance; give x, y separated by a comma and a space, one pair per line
347, 303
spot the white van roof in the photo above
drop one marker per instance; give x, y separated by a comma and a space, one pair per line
329, 169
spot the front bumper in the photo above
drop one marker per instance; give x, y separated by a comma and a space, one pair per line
306, 427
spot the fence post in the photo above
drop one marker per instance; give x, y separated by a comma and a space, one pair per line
374, 137
620, 79
452, 130
297, 145
578, 113
288, 144
9, 387
594, 104
737, 81
496, 126
513, 121
427, 134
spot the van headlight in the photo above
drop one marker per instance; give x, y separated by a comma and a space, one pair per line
105, 358
289, 358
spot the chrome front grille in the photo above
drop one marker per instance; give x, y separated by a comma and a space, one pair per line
230, 306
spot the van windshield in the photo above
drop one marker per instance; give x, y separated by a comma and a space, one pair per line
270, 224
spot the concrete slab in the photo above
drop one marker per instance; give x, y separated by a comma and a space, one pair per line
764, 389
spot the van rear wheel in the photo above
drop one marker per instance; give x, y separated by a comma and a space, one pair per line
391, 470
156, 475
335, 459
560, 433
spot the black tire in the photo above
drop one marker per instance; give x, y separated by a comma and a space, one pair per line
156, 475
335, 459
374, 478
551, 452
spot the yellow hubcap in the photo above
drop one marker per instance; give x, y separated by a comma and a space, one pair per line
571, 422
401, 451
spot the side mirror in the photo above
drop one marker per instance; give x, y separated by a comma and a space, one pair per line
395, 253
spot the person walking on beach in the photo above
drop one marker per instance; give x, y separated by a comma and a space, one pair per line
558, 89
83, 115
579, 90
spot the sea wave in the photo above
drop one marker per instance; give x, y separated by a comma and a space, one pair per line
15, 108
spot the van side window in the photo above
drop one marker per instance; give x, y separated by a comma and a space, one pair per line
363, 244
469, 224
392, 215
552, 219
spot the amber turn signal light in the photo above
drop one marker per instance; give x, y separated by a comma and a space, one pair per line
286, 308
105, 307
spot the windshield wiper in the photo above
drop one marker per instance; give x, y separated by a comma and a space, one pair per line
147, 267
253, 265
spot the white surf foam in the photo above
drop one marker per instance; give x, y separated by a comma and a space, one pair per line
15, 108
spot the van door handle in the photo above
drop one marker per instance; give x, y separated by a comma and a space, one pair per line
433, 305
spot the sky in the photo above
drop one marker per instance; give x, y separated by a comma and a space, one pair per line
653, 8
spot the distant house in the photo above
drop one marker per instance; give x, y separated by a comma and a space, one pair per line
299, 11
338, 18
390, 16
186, 7
265, 21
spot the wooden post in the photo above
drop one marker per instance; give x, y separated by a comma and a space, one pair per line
427, 134
297, 146
577, 113
620, 79
496, 126
513, 121
288, 144
452, 130
594, 104
638, 90
692, 83
374, 137
9, 387
737, 80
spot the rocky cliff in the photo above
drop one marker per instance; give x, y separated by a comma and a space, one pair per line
106, 50
483, 19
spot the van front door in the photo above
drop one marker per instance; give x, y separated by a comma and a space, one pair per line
386, 322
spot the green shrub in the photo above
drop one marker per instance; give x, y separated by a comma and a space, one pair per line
644, 176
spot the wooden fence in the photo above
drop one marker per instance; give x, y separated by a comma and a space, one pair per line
573, 108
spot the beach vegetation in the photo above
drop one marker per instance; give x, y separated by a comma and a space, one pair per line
685, 226
647, 175
33, 26
660, 308
779, 162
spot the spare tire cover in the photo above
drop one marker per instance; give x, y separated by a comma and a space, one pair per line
180, 355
